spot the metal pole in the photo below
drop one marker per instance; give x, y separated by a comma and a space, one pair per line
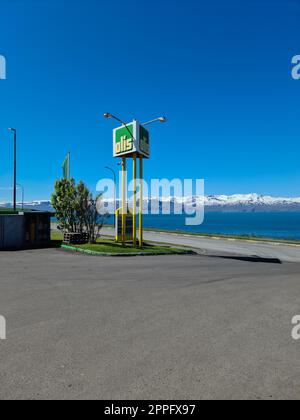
15, 171
134, 202
108, 115
115, 200
141, 205
124, 205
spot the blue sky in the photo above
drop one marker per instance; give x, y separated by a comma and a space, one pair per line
219, 70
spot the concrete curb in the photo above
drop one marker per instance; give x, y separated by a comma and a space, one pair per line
131, 254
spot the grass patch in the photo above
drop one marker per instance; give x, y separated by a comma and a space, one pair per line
56, 235
109, 247
106, 246
4, 210
56, 239
246, 237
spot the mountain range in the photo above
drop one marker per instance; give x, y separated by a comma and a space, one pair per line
223, 203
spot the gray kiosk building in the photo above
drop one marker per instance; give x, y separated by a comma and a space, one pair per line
25, 230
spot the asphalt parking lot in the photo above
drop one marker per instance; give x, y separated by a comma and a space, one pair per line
175, 327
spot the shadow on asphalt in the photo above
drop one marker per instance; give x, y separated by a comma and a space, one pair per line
51, 245
253, 259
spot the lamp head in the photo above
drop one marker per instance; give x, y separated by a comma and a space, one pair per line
163, 119
107, 115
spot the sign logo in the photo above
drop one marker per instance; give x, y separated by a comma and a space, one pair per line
131, 139
124, 140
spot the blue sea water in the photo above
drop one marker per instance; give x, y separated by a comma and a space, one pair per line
270, 225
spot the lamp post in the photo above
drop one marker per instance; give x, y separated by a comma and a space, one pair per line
160, 119
107, 115
14, 131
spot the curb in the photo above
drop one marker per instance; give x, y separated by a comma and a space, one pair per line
131, 254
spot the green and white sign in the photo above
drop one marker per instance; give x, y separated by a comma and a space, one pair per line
131, 139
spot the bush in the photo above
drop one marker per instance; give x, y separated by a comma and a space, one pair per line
76, 209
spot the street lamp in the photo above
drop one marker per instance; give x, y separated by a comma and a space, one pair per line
160, 119
108, 115
14, 131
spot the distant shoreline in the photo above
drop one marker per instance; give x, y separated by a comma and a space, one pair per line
275, 227
249, 238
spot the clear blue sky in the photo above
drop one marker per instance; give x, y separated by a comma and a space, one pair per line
219, 70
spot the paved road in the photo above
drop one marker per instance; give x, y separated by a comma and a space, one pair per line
147, 327
282, 252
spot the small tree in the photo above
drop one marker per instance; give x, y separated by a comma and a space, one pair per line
76, 209
63, 201
94, 217
81, 204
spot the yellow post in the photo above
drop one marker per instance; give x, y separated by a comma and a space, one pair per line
124, 204
134, 203
141, 205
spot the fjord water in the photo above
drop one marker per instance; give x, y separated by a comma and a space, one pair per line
267, 225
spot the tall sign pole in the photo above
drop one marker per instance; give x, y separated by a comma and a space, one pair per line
124, 204
134, 201
131, 141
141, 205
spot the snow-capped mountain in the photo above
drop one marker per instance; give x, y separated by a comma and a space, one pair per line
31, 205
237, 202
249, 199
251, 202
